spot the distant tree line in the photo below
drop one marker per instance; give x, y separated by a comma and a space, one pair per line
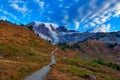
65, 46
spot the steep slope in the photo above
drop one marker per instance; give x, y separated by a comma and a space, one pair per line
45, 31
21, 51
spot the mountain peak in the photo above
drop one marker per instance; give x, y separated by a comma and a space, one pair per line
46, 31
60, 34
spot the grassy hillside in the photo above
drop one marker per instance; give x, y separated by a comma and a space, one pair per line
21, 51
80, 69
81, 61
92, 49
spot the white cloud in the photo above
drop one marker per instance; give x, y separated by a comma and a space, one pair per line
117, 10
4, 18
103, 28
16, 5
92, 24
22, 9
16, 1
40, 3
93, 13
8, 13
101, 10
105, 18
96, 20
101, 15
86, 16
65, 18
99, 20
102, 18
77, 24
117, 13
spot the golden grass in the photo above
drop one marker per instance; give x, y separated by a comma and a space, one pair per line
21, 52
58, 75
11, 70
79, 68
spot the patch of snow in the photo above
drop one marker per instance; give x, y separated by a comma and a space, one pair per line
47, 25
53, 34
42, 36
53, 25
108, 40
36, 24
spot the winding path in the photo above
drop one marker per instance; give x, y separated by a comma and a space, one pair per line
42, 73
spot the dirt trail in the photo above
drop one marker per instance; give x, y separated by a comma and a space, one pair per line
42, 73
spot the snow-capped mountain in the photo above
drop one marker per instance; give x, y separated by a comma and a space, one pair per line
46, 31
59, 34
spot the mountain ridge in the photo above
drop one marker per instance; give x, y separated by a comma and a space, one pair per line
60, 34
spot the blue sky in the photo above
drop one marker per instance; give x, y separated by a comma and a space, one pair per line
80, 15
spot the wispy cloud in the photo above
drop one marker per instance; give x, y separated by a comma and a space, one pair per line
15, 1
16, 5
77, 24
22, 9
4, 18
40, 3
117, 10
102, 28
65, 18
81, 14
5, 12
97, 16
92, 15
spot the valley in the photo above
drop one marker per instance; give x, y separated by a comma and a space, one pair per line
24, 53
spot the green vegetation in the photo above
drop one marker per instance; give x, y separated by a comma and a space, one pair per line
30, 27
21, 24
76, 67
108, 64
64, 46
84, 68
112, 45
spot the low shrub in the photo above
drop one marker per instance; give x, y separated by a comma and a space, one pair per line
108, 64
